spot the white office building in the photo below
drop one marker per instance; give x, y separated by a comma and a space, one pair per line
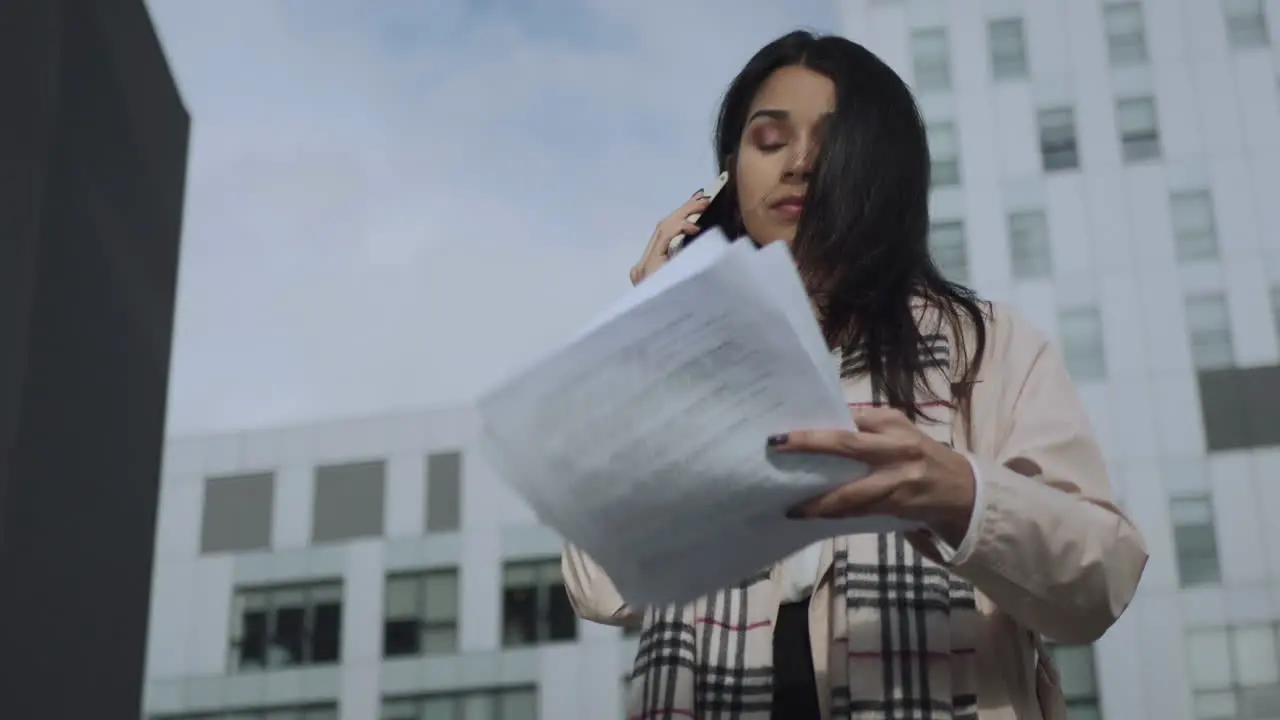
1111, 168
372, 568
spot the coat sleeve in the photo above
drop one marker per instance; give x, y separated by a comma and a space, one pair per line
1049, 545
591, 592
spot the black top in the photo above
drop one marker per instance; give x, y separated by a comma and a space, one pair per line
795, 690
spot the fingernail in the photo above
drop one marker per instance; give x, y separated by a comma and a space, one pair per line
776, 440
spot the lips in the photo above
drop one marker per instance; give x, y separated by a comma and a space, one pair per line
789, 207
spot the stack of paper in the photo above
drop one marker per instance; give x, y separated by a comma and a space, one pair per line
642, 441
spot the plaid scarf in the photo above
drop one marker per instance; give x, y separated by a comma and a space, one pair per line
898, 649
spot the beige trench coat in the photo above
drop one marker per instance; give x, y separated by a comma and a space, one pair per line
1053, 555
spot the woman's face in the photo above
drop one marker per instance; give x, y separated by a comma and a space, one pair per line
777, 149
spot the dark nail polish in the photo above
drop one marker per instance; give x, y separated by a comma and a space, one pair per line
776, 440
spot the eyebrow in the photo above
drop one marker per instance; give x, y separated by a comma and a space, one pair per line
769, 113
780, 115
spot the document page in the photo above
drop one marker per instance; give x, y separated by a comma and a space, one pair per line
642, 441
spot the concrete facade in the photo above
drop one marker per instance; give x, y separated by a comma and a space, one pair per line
193, 598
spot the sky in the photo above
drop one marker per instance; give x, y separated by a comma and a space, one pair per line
392, 204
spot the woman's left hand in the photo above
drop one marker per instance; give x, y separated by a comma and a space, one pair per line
912, 476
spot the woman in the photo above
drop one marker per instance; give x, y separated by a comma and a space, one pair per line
969, 423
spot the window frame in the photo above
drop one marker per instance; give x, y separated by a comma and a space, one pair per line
1058, 154
1086, 362
413, 704
1226, 699
421, 615
308, 711
1194, 244
944, 154
1208, 556
1007, 48
1030, 247
321, 476
1139, 141
210, 508
267, 599
1073, 700
1246, 30
432, 523
1211, 347
1125, 47
930, 50
951, 230
548, 579
1274, 297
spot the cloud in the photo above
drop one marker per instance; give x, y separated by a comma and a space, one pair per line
392, 203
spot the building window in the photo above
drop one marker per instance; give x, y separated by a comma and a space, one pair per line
535, 605
348, 501
1238, 407
274, 712
1030, 255
1139, 134
286, 626
944, 151
1209, 326
1246, 23
1234, 672
1058, 147
1126, 33
237, 513
520, 703
1275, 309
1008, 44
931, 59
1195, 540
421, 616
950, 253
1194, 234
444, 492
1083, 346
1254, 658
1078, 678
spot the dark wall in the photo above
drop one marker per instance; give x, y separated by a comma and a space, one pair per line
93, 145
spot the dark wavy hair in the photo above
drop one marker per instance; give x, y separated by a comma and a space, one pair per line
863, 240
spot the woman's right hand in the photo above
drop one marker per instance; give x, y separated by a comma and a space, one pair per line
677, 223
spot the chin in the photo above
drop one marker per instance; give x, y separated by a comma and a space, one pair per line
773, 235
787, 240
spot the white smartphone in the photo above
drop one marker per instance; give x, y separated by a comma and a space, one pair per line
711, 191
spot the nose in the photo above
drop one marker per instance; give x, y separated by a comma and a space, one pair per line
800, 160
